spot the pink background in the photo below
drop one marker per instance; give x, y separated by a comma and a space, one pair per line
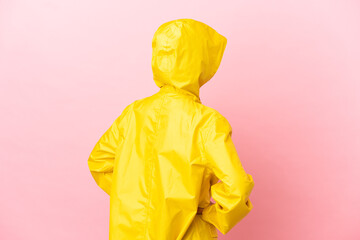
288, 84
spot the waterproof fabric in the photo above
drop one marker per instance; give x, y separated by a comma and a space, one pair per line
168, 154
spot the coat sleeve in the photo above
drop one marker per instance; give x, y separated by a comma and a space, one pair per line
231, 193
102, 157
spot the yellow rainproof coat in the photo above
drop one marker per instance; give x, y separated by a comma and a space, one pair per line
167, 154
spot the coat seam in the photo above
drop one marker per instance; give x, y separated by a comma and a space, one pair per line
204, 140
125, 133
151, 170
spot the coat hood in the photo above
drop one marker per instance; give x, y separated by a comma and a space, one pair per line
186, 54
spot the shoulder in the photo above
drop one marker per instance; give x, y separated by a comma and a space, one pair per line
211, 115
214, 123
126, 112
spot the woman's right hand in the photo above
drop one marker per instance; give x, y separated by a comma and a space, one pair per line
199, 211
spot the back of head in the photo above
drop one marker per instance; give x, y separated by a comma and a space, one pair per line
186, 54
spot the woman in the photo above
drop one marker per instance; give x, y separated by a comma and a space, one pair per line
162, 158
